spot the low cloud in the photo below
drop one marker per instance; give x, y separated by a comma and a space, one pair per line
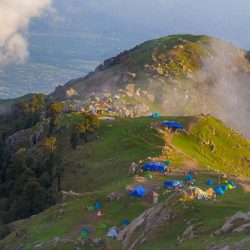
15, 16
228, 74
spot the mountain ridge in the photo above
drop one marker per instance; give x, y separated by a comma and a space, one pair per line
180, 74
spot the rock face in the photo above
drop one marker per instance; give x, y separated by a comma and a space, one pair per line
237, 223
148, 221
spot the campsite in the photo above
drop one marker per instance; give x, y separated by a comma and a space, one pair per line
77, 216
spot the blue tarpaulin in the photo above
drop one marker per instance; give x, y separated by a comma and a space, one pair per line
155, 166
139, 191
210, 182
155, 115
173, 125
218, 190
172, 184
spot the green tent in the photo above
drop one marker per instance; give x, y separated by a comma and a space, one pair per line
102, 226
148, 175
84, 234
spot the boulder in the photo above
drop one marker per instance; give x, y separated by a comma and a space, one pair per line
238, 222
147, 222
130, 88
114, 196
71, 93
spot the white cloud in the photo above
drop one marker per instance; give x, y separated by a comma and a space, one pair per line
15, 16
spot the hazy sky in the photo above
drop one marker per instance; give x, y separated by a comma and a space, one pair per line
132, 20
146, 19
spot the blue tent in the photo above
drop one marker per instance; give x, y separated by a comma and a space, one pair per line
139, 191
224, 188
210, 182
218, 190
155, 166
173, 125
155, 115
97, 205
167, 163
112, 233
172, 184
189, 177
85, 229
125, 222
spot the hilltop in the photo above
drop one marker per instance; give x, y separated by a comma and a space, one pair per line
174, 75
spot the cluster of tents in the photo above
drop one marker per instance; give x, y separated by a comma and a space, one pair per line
112, 232
228, 185
189, 191
192, 192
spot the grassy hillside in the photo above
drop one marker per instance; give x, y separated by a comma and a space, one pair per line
216, 146
100, 167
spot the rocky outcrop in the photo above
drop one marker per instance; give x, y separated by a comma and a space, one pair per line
241, 245
17, 140
237, 223
147, 222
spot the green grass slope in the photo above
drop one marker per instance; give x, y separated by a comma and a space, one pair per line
216, 146
100, 167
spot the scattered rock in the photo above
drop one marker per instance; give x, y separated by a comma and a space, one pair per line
235, 223
114, 196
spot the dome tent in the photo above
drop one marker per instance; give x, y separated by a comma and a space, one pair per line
85, 233
139, 191
97, 205
125, 222
218, 190
112, 232
232, 184
148, 176
155, 115
210, 182
189, 177
224, 187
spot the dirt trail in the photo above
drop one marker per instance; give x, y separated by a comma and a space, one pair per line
189, 164
244, 182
